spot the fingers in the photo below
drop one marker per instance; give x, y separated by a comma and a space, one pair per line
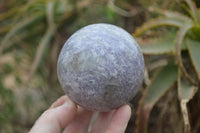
119, 120
60, 114
81, 122
59, 101
64, 114
102, 122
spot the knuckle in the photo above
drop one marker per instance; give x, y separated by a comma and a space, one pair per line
48, 114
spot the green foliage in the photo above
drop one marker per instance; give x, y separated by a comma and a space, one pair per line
31, 35
159, 45
162, 81
34, 19
186, 40
194, 48
32, 32
7, 104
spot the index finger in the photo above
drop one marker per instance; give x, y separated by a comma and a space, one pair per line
119, 120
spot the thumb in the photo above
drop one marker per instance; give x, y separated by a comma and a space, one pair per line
56, 118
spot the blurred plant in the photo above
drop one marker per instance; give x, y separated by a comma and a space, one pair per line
28, 34
7, 105
34, 19
31, 35
183, 45
132, 11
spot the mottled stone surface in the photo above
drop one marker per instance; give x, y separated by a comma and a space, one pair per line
100, 67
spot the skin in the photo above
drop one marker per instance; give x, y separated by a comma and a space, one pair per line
64, 115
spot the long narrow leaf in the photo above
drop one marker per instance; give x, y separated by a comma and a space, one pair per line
111, 5
194, 11
19, 9
185, 92
157, 23
40, 50
161, 83
194, 51
166, 77
18, 27
161, 45
43, 43
171, 14
50, 14
178, 42
9, 13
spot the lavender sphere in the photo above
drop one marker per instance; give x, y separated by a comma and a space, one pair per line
101, 67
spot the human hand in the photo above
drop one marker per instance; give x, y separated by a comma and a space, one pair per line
64, 115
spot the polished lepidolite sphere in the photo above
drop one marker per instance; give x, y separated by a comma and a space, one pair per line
101, 67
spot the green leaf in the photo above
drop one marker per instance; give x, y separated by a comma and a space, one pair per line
186, 92
50, 14
161, 45
194, 49
194, 33
185, 89
9, 13
193, 11
18, 27
163, 80
178, 44
39, 53
44, 42
161, 21
171, 14
114, 7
